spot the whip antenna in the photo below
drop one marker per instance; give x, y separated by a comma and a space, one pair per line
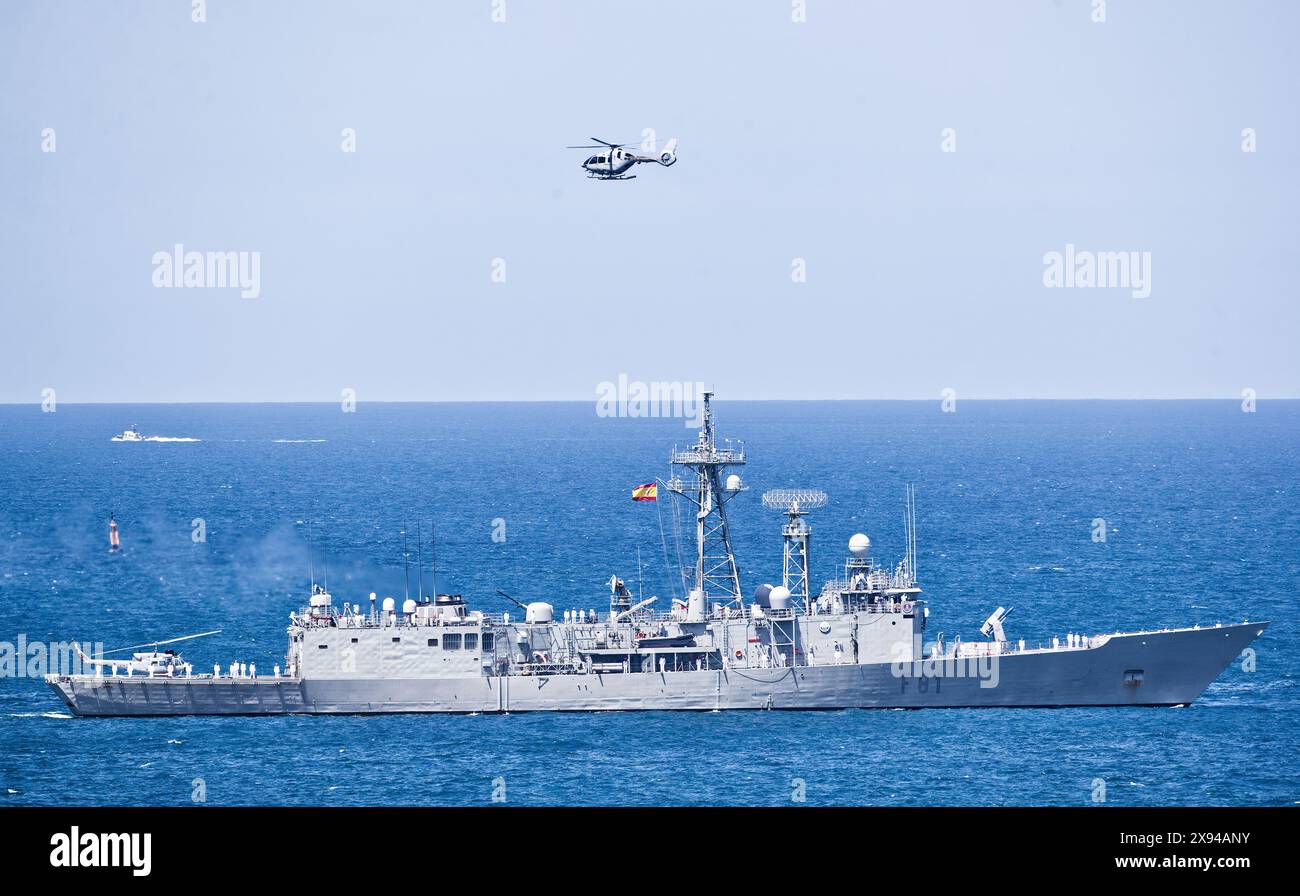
419, 556
406, 562
433, 558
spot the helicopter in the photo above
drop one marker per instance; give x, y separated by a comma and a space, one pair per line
151, 663
613, 162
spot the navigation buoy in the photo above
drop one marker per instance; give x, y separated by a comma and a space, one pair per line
114, 542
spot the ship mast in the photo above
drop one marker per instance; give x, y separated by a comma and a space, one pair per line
796, 535
704, 463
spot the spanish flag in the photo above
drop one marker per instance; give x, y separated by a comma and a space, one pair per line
647, 492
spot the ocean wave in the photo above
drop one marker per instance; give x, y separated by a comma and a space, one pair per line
39, 715
295, 441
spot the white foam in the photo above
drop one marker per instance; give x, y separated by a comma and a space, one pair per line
296, 441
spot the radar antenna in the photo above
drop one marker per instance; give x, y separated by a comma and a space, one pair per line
794, 503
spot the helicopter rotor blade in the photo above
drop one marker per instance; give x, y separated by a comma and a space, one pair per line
160, 643
599, 142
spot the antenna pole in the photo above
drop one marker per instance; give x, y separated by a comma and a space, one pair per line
433, 559
909, 529
419, 557
915, 560
311, 559
406, 563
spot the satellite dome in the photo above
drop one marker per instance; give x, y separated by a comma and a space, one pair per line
779, 598
859, 545
389, 603
733, 483
761, 595
408, 606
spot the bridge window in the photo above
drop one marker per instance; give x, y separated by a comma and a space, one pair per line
487, 640
451, 642
433, 642
397, 640
471, 642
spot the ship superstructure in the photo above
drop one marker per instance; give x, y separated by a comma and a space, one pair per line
858, 641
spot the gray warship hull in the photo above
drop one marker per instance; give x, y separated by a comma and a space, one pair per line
858, 643
1163, 668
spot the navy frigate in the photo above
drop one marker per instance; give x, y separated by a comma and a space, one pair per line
858, 642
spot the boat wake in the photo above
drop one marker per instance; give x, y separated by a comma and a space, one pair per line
296, 441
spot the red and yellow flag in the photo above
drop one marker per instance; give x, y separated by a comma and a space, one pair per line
647, 492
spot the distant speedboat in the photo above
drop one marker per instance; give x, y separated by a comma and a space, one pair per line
130, 435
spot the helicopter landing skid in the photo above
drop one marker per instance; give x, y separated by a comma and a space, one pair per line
612, 177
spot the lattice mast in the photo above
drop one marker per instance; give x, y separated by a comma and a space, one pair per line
796, 535
704, 487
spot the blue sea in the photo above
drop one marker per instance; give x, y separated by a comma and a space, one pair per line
1199, 501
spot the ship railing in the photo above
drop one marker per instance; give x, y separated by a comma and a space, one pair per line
552, 668
870, 583
968, 649
861, 604
697, 455
362, 621
746, 613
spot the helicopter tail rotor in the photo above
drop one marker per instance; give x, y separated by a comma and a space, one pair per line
668, 156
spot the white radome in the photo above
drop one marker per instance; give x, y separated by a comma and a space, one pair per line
389, 604
859, 544
733, 483
408, 606
779, 598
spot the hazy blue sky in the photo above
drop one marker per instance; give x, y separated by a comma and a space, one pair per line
819, 140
